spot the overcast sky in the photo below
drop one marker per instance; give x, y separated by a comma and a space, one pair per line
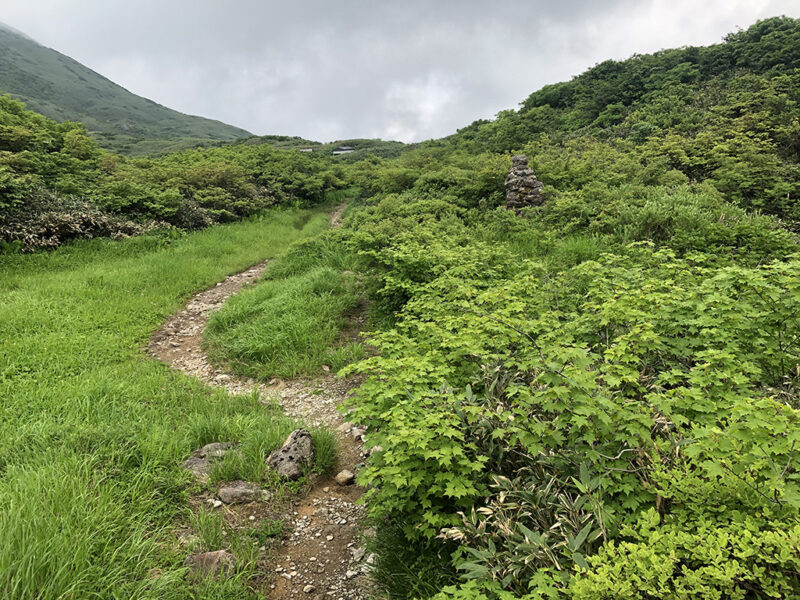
334, 69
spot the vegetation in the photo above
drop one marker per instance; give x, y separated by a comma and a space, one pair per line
291, 322
93, 433
61, 88
362, 148
57, 185
597, 398
727, 114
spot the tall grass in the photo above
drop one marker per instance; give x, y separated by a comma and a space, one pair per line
290, 323
92, 433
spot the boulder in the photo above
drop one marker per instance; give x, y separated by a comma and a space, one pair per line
522, 187
210, 563
296, 454
239, 492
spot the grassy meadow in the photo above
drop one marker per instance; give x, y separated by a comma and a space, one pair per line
92, 433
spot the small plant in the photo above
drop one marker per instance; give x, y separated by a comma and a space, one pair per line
209, 528
267, 530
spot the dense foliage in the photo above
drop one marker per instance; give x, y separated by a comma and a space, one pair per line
597, 399
728, 114
57, 185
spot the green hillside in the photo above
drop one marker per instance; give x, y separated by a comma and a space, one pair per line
59, 87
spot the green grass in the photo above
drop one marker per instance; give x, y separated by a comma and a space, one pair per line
92, 433
408, 569
291, 323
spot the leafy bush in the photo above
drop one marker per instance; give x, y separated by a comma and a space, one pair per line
190, 189
50, 220
583, 392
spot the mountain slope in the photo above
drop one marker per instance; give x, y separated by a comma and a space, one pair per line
65, 90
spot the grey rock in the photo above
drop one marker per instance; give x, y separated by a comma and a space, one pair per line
522, 187
345, 477
200, 461
296, 454
239, 492
210, 563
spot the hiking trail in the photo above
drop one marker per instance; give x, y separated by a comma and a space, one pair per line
321, 555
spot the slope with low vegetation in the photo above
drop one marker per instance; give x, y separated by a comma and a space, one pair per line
65, 90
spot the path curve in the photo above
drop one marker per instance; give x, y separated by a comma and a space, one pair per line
322, 557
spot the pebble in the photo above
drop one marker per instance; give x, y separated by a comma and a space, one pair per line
309, 589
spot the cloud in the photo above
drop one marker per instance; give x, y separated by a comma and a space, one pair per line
363, 68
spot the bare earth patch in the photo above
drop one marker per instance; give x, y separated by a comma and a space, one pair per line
321, 556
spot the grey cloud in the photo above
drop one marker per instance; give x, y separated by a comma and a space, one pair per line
328, 69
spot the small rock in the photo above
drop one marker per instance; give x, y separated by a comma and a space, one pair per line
296, 454
350, 574
357, 433
199, 462
358, 554
344, 427
210, 563
309, 589
239, 492
345, 477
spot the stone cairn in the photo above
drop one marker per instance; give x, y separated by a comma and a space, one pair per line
522, 187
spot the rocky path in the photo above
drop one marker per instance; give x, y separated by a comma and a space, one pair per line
322, 555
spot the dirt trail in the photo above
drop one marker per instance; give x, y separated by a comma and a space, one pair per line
322, 555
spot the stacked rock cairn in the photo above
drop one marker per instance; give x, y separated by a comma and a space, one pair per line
522, 187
